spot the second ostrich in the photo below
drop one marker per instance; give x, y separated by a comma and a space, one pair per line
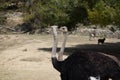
81, 65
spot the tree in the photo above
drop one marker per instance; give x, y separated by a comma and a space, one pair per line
102, 14
117, 15
68, 12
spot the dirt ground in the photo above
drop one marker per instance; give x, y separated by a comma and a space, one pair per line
27, 57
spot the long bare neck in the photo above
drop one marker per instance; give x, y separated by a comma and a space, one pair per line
56, 64
60, 56
55, 38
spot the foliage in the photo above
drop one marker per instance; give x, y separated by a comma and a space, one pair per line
116, 18
102, 14
2, 20
67, 12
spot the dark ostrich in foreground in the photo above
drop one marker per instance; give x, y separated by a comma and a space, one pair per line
81, 65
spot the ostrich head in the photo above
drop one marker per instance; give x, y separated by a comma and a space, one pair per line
64, 29
55, 61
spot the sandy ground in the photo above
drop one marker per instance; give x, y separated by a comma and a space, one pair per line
25, 57
23, 60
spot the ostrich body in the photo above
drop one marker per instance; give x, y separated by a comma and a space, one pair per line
81, 65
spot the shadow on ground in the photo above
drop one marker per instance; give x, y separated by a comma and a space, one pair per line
109, 48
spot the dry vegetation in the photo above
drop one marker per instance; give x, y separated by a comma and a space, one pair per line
27, 57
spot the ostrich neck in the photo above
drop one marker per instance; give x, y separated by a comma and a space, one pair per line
60, 56
54, 48
56, 64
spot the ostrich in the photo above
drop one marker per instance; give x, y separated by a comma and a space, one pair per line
91, 35
81, 65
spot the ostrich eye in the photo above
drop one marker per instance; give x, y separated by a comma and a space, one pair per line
63, 28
